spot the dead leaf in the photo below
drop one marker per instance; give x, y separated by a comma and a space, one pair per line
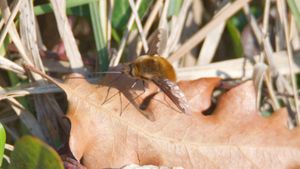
198, 92
235, 136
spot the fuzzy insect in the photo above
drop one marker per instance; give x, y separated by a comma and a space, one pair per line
155, 68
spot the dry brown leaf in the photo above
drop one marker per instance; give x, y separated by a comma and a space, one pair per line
235, 136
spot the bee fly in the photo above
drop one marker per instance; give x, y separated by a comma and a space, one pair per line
155, 68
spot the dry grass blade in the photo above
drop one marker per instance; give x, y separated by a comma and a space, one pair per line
27, 118
261, 39
27, 22
268, 80
229, 68
10, 21
176, 30
116, 61
29, 90
154, 11
139, 24
210, 45
266, 16
282, 13
59, 8
163, 22
13, 31
157, 6
201, 34
282, 84
258, 76
55, 128
50, 115
11, 66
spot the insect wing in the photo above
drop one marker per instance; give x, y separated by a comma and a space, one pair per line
157, 42
173, 91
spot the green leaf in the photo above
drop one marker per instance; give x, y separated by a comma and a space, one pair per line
122, 11
240, 20
174, 7
2, 142
120, 15
236, 39
144, 7
32, 153
82, 10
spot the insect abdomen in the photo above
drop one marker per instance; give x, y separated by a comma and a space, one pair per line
147, 67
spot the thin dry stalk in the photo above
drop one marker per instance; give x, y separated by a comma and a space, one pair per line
259, 71
271, 90
29, 90
229, 68
157, 6
109, 27
198, 10
139, 24
176, 30
211, 43
116, 61
11, 66
266, 17
49, 115
29, 38
282, 13
264, 36
59, 9
13, 31
201, 34
163, 23
265, 42
10, 21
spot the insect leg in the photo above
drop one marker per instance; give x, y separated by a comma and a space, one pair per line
106, 99
132, 86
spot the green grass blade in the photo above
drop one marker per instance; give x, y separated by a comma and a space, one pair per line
2, 142
47, 8
99, 24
